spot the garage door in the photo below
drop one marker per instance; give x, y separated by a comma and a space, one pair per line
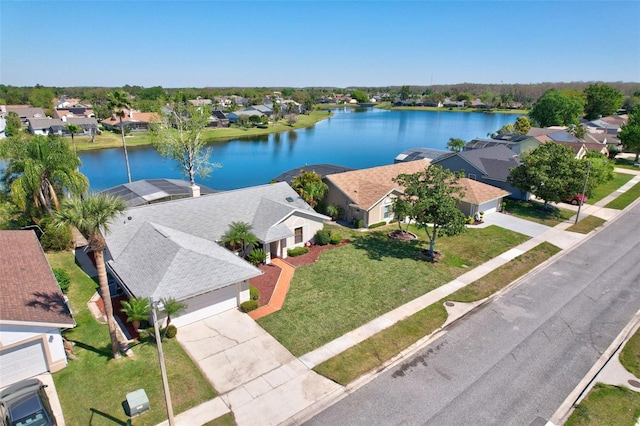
207, 305
21, 362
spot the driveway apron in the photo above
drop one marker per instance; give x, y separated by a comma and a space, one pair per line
252, 371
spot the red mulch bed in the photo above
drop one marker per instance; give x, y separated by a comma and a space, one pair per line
266, 282
117, 306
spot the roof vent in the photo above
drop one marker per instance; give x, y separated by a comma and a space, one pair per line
289, 199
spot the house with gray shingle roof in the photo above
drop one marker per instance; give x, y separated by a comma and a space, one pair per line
33, 310
487, 165
174, 249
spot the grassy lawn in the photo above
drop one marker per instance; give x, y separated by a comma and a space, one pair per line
626, 163
535, 212
389, 105
630, 355
226, 420
371, 353
607, 405
114, 140
356, 283
586, 225
626, 198
92, 388
603, 190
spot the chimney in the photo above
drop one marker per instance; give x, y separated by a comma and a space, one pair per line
194, 191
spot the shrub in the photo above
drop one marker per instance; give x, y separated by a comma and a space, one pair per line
334, 211
469, 220
249, 305
254, 293
360, 223
377, 225
55, 239
171, 331
322, 238
297, 251
335, 239
257, 256
63, 278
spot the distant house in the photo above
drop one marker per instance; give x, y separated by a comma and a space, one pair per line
52, 126
136, 121
73, 112
321, 169
234, 116
200, 102
33, 310
264, 109
174, 249
25, 112
413, 154
218, 119
488, 165
519, 144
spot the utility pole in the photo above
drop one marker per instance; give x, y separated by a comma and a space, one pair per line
163, 370
584, 189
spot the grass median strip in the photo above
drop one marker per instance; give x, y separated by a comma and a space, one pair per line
625, 198
535, 212
619, 179
586, 225
373, 352
607, 405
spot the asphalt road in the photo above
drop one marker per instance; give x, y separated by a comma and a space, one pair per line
514, 361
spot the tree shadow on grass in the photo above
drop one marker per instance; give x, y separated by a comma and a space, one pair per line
378, 245
105, 352
107, 416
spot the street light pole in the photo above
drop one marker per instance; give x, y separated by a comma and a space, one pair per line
163, 370
584, 190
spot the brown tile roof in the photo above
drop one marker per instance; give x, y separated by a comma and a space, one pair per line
28, 290
478, 192
367, 186
145, 117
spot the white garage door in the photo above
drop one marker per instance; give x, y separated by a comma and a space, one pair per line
22, 362
207, 305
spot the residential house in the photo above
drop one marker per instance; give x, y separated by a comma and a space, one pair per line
480, 197
264, 109
33, 310
218, 119
136, 121
321, 169
25, 112
519, 144
368, 194
174, 249
488, 165
149, 191
234, 116
450, 103
73, 112
413, 154
52, 126
200, 102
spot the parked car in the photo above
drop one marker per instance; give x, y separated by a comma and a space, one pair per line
577, 199
26, 403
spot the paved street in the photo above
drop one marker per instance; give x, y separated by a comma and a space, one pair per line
515, 360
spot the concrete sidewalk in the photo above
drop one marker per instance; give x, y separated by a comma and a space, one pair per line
264, 384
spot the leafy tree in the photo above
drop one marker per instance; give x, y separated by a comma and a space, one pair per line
556, 108
405, 93
118, 101
430, 198
631, 104
577, 130
171, 306
600, 170
550, 172
14, 124
456, 144
136, 310
291, 119
490, 98
310, 187
74, 129
92, 216
39, 171
42, 97
522, 126
151, 93
308, 104
276, 111
601, 100
239, 235
630, 134
179, 136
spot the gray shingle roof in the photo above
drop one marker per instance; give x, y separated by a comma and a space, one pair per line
494, 162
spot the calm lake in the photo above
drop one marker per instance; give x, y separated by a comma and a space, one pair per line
352, 138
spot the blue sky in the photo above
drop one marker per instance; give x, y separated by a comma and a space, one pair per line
316, 43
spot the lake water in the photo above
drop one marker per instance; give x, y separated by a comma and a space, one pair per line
357, 138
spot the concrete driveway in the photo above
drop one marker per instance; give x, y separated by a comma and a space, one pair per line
516, 224
258, 379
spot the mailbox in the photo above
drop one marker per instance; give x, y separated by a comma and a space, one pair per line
138, 402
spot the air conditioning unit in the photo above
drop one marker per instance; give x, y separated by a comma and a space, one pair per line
137, 403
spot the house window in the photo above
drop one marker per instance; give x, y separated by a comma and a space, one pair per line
387, 211
298, 235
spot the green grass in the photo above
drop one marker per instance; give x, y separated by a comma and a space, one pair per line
625, 198
626, 163
356, 283
607, 405
374, 351
113, 140
586, 225
630, 355
225, 420
619, 179
92, 388
535, 212
389, 105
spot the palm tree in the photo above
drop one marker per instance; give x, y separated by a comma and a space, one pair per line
310, 187
73, 129
41, 170
239, 234
136, 310
92, 216
118, 101
170, 307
